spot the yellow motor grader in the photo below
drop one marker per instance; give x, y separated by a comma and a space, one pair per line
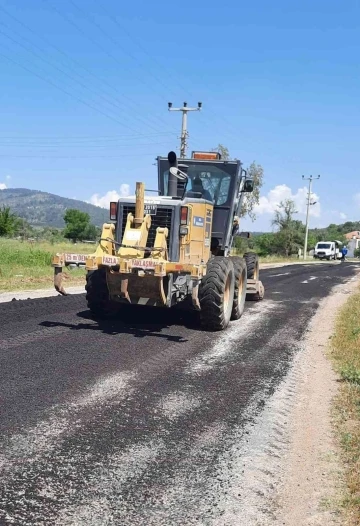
174, 249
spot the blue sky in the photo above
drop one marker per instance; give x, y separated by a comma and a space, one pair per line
85, 86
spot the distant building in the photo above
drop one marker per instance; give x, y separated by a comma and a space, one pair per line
353, 242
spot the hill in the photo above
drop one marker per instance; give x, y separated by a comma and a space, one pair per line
336, 230
42, 209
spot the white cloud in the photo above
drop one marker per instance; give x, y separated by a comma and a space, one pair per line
269, 203
112, 195
8, 177
3, 186
335, 213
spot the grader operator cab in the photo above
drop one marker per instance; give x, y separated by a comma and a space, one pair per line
174, 249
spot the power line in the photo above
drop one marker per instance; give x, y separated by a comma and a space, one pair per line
63, 90
86, 15
92, 137
48, 148
78, 64
143, 49
66, 55
96, 43
178, 83
115, 42
65, 73
104, 146
151, 154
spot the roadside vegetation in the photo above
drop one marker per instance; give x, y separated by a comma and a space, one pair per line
288, 234
26, 265
26, 251
346, 355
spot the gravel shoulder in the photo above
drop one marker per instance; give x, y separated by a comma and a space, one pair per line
312, 474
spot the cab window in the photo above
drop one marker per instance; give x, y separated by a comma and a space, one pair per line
215, 181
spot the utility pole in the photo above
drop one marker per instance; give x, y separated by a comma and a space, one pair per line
184, 133
310, 179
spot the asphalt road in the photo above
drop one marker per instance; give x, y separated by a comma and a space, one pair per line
147, 421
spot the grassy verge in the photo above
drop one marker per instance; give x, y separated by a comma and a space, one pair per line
278, 259
25, 266
346, 354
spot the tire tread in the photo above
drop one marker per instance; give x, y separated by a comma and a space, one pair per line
211, 293
97, 295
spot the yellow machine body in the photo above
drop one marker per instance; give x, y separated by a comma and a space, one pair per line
140, 274
195, 244
162, 259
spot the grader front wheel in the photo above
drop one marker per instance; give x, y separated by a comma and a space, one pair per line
97, 295
216, 294
240, 272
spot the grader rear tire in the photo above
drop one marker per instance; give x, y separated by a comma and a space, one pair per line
240, 272
97, 295
216, 294
252, 265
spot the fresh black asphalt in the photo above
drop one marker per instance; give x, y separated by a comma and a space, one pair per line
127, 422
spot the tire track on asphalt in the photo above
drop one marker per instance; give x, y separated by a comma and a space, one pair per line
57, 447
79, 473
176, 509
172, 465
31, 337
105, 389
34, 363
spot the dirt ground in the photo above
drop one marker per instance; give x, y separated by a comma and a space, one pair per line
312, 476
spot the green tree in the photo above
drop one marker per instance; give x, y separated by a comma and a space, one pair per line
266, 244
9, 222
24, 229
78, 225
311, 240
224, 152
254, 171
283, 217
290, 235
51, 234
91, 233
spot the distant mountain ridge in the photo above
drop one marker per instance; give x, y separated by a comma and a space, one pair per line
41, 209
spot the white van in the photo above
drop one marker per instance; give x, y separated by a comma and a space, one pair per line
327, 250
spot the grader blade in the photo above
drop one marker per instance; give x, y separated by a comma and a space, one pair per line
255, 290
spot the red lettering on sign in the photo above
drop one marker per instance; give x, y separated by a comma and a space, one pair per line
143, 263
110, 260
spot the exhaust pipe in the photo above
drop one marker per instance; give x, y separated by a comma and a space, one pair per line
172, 179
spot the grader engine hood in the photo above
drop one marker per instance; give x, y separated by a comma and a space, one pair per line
164, 212
188, 232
